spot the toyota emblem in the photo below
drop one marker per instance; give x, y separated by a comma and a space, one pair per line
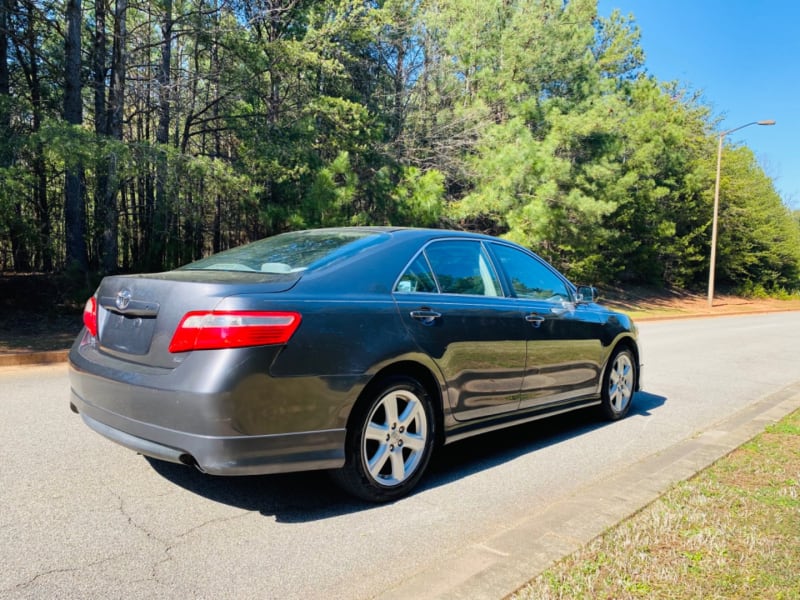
123, 299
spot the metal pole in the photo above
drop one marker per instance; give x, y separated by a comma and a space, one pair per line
713, 263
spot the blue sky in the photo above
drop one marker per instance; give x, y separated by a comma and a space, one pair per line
744, 56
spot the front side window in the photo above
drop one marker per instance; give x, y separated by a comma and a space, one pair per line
529, 277
463, 267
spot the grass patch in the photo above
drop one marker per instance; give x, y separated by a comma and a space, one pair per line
732, 531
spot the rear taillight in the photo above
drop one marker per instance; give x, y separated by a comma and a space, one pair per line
90, 315
233, 329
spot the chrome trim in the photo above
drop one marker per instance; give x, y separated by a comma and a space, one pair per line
134, 308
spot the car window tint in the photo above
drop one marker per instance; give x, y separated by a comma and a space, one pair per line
291, 252
462, 267
529, 277
417, 277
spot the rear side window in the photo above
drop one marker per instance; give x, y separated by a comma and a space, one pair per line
452, 267
417, 277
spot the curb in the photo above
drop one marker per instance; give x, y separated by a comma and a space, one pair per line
498, 566
711, 315
33, 358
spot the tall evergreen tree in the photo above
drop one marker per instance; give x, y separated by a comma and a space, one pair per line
74, 206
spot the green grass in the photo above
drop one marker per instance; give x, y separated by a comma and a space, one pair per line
730, 532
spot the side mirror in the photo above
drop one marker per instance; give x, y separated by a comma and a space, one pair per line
587, 294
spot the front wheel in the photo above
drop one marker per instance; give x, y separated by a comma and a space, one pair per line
619, 384
389, 441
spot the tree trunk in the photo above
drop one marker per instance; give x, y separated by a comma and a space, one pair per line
109, 225
5, 89
74, 207
99, 68
6, 153
158, 243
16, 225
40, 204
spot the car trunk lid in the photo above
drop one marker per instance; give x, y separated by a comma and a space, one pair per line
137, 316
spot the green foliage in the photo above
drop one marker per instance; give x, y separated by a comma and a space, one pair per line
331, 194
419, 198
531, 119
616, 48
662, 224
759, 241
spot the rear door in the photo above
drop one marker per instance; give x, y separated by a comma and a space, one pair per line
452, 303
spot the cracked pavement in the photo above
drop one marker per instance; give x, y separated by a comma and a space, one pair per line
81, 517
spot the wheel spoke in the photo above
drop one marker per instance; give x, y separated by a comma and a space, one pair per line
398, 466
415, 443
376, 432
390, 408
377, 461
410, 413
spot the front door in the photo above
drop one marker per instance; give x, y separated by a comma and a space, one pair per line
564, 348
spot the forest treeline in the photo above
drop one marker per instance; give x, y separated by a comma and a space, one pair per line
138, 135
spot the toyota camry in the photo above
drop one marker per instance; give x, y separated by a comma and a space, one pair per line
357, 350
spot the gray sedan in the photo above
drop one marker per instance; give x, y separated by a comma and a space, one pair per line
355, 349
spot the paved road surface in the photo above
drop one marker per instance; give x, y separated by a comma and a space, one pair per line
83, 517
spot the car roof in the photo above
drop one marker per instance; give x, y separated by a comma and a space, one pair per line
411, 232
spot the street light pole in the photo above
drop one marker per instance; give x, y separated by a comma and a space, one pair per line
713, 261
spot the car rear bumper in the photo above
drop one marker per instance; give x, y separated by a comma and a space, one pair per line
219, 455
219, 412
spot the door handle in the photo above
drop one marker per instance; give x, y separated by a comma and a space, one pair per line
425, 316
534, 319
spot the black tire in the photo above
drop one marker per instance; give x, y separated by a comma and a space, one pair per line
619, 384
389, 440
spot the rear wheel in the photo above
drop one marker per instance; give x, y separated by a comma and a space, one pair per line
389, 441
619, 384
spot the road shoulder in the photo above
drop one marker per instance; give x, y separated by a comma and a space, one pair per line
501, 564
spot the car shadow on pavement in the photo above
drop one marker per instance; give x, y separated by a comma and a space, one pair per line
486, 451
290, 497
312, 496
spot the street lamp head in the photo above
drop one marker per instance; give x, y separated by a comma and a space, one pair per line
724, 133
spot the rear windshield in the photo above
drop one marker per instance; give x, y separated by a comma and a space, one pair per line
290, 252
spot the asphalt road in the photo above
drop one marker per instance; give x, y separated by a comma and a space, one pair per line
83, 517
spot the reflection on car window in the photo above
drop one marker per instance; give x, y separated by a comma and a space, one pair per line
291, 252
417, 277
529, 277
462, 267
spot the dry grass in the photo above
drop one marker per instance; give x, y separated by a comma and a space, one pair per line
644, 304
732, 531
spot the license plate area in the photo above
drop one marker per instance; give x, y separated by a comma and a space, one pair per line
128, 333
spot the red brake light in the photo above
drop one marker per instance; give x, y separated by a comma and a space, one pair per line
90, 315
233, 329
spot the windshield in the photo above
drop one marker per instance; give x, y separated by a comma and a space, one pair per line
289, 252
